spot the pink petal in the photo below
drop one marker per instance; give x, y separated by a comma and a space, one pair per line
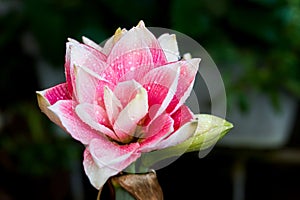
112, 104
182, 116
97, 175
161, 84
113, 155
130, 116
86, 57
50, 96
138, 48
126, 91
70, 122
89, 86
159, 128
104, 159
95, 117
169, 45
56, 93
187, 76
184, 127
179, 136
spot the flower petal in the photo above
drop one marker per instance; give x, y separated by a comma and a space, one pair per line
95, 117
109, 44
179, 136
91, 43
187, 76
182, 116
161, 84
169, 45
70, 122
97, 175
159, 128
104, 159
130, 116
112, 104
56, 93
50, 96
138, 48
126, 91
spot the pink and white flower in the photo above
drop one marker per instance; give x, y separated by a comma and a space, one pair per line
124, 99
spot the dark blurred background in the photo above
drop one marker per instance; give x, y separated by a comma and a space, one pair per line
256, 46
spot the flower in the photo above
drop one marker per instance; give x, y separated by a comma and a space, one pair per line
124, 100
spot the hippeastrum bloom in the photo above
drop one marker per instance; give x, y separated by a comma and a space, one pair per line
126, 100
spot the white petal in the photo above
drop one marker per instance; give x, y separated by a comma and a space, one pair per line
129, 117
112, 104
169, 45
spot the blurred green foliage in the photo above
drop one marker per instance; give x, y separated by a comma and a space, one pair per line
255, 43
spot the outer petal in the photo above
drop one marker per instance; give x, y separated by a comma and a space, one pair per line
50, 96
169, 45
187, 76
54, 94
161, 84
97, 175
70, 122
107, 159
130, 116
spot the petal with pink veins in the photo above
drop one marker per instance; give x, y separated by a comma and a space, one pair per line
50, 96
95, 117
187, 76
161, 84
182, 116
158, 129
130, 116
70, 122
86, 85
146, 52
169, 45
104, 159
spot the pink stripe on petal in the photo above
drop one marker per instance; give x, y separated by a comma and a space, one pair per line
161, 84
182, 116
158, 129
112, 155
70, 122
86, 86
95, 117
187, 76
56, 93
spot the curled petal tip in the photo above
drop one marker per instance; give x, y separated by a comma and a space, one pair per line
141, 24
